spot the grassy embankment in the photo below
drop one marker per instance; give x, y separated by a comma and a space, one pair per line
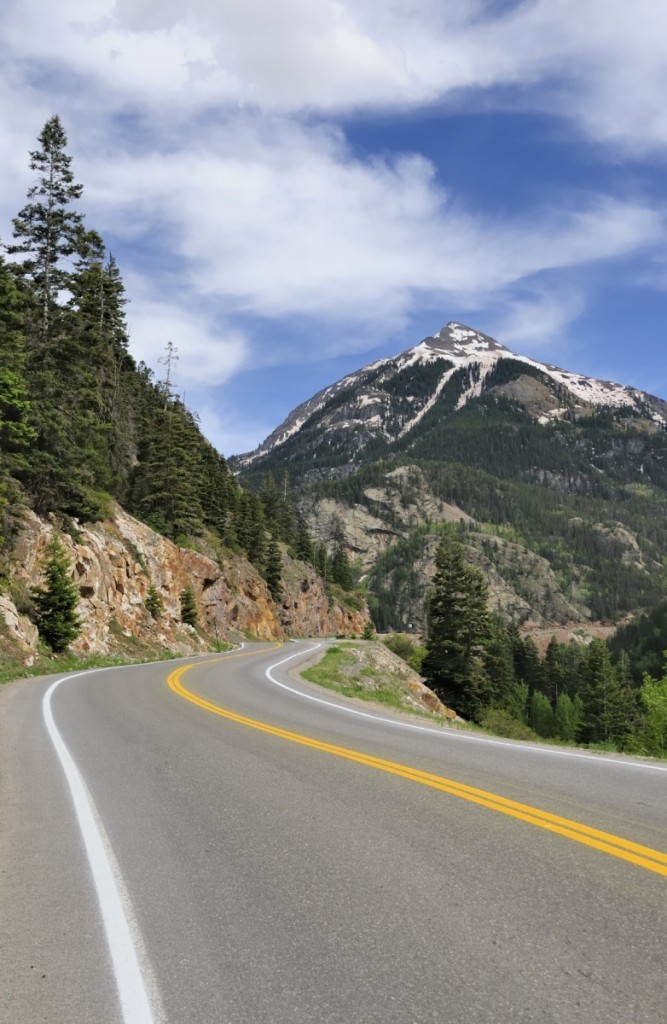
342, 670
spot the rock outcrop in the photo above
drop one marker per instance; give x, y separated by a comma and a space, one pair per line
116, 562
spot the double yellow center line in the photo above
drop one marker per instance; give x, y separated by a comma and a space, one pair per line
641, 856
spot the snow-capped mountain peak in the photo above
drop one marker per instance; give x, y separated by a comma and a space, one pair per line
388, 398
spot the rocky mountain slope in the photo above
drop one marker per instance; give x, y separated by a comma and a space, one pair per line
115, 562
558, 481
386, 401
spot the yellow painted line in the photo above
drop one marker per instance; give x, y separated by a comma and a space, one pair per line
625, 849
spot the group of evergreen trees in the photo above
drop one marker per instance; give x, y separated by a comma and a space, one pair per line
81, 422
486, 671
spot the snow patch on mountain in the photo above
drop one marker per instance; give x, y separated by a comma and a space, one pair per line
461, 346
428, 405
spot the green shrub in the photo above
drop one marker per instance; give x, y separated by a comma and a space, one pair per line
501, 723
20, 593
153, 602
400, 644
189, 614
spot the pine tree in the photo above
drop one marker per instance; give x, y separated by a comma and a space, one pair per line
566, 720
552, 670
304, 547
599, 693
457, 631
49, 235
189, 613
250, 528
154, 604
16, 434
273, 569
56, 604
341, 570
168, 479
96, 350
47, 230
528, 665
270, 499
498, 660
516, 700
287, 524
368, 632
321, 561
541, 715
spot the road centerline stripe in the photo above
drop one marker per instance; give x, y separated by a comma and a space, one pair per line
616, 846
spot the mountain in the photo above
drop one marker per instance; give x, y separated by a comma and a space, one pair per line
557, 480
386, 401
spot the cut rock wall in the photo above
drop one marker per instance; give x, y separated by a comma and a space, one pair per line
115, 563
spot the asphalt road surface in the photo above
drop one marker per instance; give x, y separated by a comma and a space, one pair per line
203, 845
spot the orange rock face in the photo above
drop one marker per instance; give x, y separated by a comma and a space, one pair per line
116, 562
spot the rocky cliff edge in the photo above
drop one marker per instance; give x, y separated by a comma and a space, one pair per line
114, 563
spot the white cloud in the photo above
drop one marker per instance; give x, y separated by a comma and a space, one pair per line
193, 128
208, 354
538, 319
600, 63
283, 221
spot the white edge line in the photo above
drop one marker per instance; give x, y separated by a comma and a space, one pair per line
117, 916
450, 734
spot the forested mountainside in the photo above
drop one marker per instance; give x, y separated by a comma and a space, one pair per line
83, 425
559, 481
81, 421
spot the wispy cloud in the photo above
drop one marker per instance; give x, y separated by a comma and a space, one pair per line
208, 141
539, 317
599, 63
284, 221
209, 352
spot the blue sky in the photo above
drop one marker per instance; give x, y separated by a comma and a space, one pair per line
292, 190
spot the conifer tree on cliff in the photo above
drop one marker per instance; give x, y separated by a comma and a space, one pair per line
57, 602
48, 233
458, 626
16, 435
273, 569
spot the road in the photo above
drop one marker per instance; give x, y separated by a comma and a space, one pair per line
275, 853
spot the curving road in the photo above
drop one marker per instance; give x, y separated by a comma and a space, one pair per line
224, 843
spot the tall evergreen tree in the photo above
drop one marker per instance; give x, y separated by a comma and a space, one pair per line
457, 631
250, 528
498, 660
552, 671
166, 483
273, 569
600, 693
341, 570
16, 434
287, 520
566, 719
304, 547
48, 231
189, 612
49, 235
541, 716
270, 498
